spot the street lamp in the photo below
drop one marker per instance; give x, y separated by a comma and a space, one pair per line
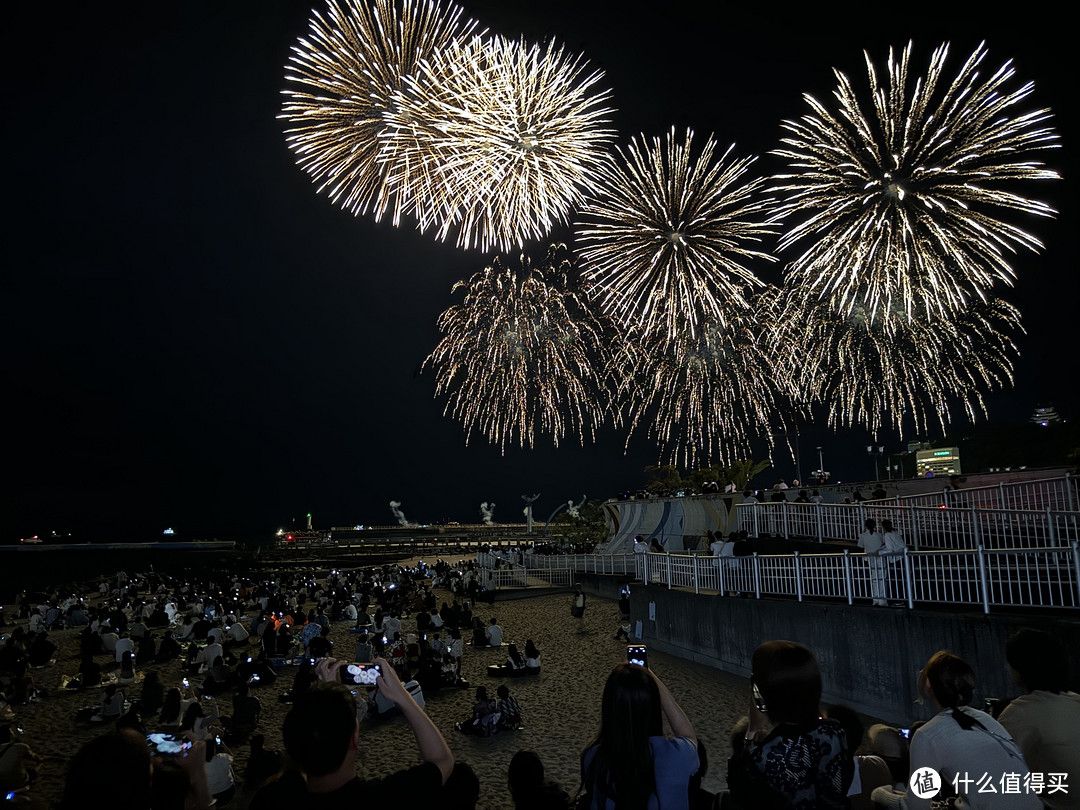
874, 452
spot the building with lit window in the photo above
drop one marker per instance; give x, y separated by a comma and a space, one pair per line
938, 461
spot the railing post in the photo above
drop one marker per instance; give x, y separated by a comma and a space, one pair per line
981, 552
820, 523
784, 520
696, 589
916, 530
1050, 532
667, 562
908, 580
1069, 494
847, 575
719, 563
798, 577
1076, 569
757, 576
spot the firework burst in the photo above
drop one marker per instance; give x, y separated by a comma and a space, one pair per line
706, 393
910, 373
522, 355
343, 78
665, 238
496, 140
900, 205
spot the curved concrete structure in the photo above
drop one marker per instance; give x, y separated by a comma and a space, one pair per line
672, 521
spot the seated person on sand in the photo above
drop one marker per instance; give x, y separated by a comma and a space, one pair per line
127, 669
246, 712
485, 716
494, 633
508, 708
123, 644
112, 704
14, 756
514, 666
41, 651
532, 658
152, 697
196, 723
479, 634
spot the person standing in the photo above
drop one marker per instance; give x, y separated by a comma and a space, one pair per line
577, 607
872, 542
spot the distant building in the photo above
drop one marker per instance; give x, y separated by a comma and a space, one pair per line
1046, 416
939, 461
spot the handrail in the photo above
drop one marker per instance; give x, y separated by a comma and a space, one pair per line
984, 577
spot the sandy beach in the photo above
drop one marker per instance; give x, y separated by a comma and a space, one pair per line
560, 706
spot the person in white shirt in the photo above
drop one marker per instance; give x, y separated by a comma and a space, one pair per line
494, 634
871, 542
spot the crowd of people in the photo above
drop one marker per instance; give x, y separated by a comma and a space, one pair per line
234, 637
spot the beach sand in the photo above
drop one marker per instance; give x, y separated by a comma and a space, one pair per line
560, 707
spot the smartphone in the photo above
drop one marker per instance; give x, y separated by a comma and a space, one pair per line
905, 733
363, 674
637, 654
167, 745
759, 701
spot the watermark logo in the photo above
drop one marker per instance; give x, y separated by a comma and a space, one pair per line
925, 783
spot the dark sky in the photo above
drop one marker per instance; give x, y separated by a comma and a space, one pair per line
195, 338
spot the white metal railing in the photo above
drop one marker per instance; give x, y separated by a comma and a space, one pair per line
1019, 577
986, 577
934, 526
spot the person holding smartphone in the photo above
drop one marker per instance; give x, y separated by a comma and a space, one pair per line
631, 764
322, 736
791, 756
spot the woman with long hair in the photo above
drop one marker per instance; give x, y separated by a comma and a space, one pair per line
631, 765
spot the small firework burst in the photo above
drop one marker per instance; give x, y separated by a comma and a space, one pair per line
911, 373
707, 393
496, 140
343, 77
899, 207
665, 238
522, 355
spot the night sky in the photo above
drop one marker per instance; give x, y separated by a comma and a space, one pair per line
196, 339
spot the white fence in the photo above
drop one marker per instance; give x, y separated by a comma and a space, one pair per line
937, 526
987, 578
1048, 578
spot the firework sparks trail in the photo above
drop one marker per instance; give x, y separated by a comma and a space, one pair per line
522, 354
915, 373
665, 238
497, 140
899, 206
343, 77
706, 394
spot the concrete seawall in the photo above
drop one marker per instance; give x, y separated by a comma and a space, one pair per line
870, 657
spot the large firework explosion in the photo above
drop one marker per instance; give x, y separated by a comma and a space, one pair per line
665, 237
706, 393
522, 355
898, 207
496, 140
343, 78
914, 374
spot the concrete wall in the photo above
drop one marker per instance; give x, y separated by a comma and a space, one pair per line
869, 657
